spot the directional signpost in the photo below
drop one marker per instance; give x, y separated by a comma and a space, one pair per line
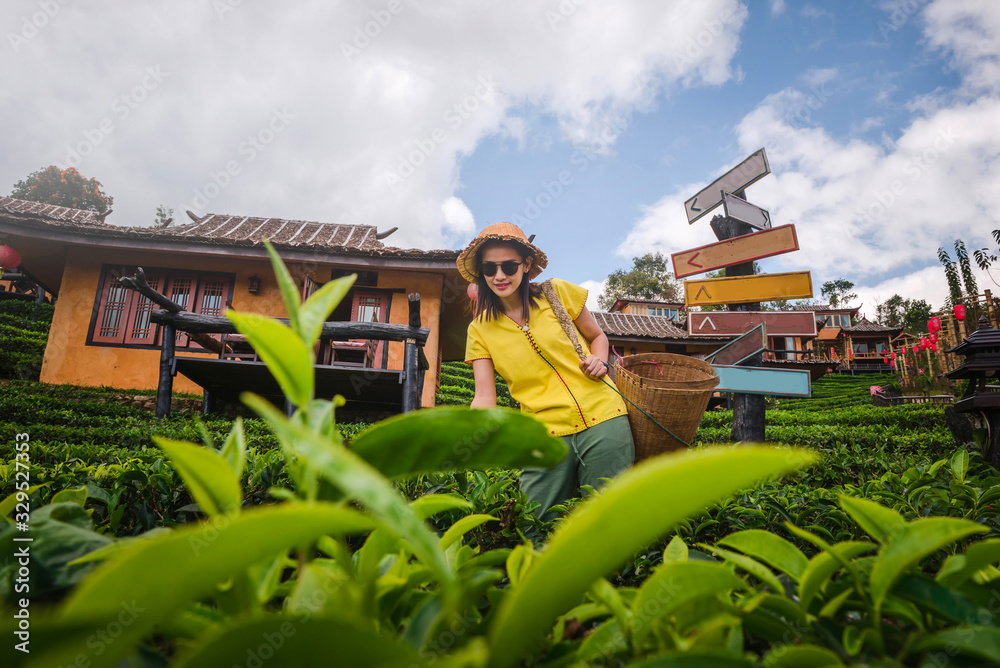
736, 179
740, 209
733, 323
763, 380
748, 289
746, 248
741, 349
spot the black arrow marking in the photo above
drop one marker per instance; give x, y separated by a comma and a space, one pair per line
693, 207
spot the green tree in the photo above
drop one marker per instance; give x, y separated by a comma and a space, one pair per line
164, 217
648, 279
64, 187
959, 272
915, 318
838, 292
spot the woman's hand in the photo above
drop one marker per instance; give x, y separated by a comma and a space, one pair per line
594, 366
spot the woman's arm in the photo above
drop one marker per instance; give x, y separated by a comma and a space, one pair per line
486, 389
593, 366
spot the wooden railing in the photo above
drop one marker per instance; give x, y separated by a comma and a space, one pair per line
173, 318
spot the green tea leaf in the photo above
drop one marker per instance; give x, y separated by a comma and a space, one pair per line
429, 505
287, 286
207, 475
676, 485
281, 640
879, 522
909, 545
360, 481
751, 566
461, 527
958, 569
960, 464
157, 578
77, 495
287, 358
453, 438
698, 658
770, 548
314, 312
676, 550
943, 602
234, 450
676, 584
982, 642
801, 656
8, 505
822, 567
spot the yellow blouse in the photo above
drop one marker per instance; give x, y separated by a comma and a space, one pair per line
541, 367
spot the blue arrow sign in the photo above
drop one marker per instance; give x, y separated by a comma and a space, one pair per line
762, 380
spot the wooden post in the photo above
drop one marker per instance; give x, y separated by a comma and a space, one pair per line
207, 402
748, 409
990, 308
412, 375
165, 388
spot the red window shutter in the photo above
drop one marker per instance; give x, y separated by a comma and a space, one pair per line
112, 311
140, 329
210, 300
181, 290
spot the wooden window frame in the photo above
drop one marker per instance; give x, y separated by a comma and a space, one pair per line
134, 303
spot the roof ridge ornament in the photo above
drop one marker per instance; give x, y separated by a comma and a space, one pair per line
196, 218
102, 216
383, 235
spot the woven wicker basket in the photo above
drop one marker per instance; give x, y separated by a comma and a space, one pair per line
674, 389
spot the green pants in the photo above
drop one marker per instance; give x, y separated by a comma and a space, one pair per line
602, 451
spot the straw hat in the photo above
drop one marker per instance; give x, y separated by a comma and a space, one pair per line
467, 261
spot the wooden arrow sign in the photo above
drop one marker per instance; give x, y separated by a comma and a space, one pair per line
740, 209
736, 179
737, 250
763, 380
741, 349
748, 289
730, 323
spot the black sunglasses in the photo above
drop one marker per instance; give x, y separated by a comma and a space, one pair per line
508, 266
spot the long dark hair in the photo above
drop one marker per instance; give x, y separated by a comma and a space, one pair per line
487, 303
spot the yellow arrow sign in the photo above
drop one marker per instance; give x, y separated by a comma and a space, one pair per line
747, 289
747, 248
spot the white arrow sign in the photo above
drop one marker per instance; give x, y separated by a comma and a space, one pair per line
706, 321
740, 209
736, 179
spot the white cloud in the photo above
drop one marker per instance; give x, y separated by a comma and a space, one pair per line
367, 92
594, 288
777, 7
874, 213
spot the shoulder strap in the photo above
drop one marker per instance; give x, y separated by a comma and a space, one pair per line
562, 316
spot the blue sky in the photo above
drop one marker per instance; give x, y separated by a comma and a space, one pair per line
880, 118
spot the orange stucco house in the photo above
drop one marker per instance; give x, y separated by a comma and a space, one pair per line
101, 333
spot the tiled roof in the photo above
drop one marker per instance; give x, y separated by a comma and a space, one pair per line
278, 231
823, 307
867, 327
222, 230
21, 208
627, 324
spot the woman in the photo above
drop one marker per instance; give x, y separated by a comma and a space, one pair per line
516, 334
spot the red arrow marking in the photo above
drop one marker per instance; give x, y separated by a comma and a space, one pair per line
695, 264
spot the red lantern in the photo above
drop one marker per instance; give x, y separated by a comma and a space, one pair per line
933, 347
893, 356
892, 364
9, 258
959, 312
472, 291
916, 349
936, 324
885, 360
933, 337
